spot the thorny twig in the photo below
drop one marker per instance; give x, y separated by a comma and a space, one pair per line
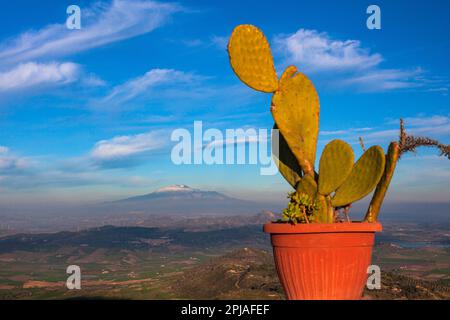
409, 143
361, 142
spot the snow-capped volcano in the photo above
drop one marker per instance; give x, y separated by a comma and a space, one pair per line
179, 191
176, 188
182, 199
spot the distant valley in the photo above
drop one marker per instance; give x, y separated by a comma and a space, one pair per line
158, 262
149, 246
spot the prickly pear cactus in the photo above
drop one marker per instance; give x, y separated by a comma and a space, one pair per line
382, 187
363, 178
251, 59
295, 108
335, 165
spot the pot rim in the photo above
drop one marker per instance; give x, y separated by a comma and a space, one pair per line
341, 227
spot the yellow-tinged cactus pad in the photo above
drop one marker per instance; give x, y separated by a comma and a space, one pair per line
285, 160
382, 187
335, 165
295, 108
363, 178
251, 59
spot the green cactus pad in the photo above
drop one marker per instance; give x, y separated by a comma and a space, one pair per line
323, 210
285, 160
363, 178
251, 59
295, 108
382, 187
335, 165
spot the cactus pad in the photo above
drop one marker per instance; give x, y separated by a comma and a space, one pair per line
285, 160
323, 209
382, 187
335, 165
251, 59
363, 178
295, 108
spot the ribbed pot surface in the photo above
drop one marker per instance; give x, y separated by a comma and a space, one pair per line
323, 261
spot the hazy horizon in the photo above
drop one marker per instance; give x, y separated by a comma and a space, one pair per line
86, 115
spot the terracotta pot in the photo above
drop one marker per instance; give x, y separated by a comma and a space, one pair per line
323, 261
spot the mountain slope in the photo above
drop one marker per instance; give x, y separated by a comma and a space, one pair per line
179, 191
182, 200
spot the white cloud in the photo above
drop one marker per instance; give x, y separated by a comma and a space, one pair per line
101, 24
32, 74
350, 64
17, 172
123, 147
153, 78
220, 42
386, 135
384, 79
442, 90
436, 120
316, 51
192, 42
434, 126
92, 80
10, 163
347, 131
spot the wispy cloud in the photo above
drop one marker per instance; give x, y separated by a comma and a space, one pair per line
180, 93
11, 163
421, 121
316, 51
31, 75
351, 64
347, 131
384, 80
442, 90
40, 173
143, 85
434, 126
125, 150
215, 41
102, 24
220, 42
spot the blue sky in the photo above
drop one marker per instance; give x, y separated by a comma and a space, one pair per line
86, 115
